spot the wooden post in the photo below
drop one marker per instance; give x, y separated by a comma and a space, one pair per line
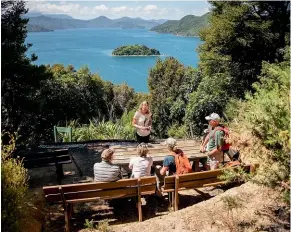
172, 199
176, 193
55, 134
59, 171
66, 210
67, 219
139, 201
169, 197
70, 210
196, 165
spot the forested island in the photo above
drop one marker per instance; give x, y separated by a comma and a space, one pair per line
135, 50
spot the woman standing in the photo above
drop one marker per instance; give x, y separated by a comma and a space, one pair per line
142, 121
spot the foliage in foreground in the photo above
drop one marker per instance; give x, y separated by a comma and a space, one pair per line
237, 175
14, 187
260, 126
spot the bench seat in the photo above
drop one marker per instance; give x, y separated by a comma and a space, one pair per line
88, 192
47, 158
173, 184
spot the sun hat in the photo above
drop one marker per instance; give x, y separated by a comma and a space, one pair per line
170, 142
213, 116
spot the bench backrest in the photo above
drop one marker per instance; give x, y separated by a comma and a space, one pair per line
44, 158
196, 179
74, 193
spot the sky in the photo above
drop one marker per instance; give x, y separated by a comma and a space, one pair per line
117, 9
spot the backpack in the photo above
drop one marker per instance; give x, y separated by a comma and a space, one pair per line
226, 145
234, 155
183, 165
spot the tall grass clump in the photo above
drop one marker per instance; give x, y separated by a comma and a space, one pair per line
14, 187
120, 129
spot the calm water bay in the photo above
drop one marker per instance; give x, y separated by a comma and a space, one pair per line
93, 47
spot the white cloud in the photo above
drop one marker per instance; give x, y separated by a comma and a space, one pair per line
119, 9
101, 8
150, 7
76, 10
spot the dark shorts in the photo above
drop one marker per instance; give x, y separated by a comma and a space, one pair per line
142, 139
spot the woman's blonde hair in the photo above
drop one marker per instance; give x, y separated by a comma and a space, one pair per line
107, 154
144, 103
142, 149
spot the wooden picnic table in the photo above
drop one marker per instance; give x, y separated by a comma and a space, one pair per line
158, 151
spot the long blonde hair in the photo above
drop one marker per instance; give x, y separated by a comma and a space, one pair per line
143, 103
142, 149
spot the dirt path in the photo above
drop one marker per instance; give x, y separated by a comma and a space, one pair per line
259, 211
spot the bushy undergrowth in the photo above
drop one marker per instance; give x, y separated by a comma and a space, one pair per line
235, 175
260, 126
179, 131
13, 189
121, 129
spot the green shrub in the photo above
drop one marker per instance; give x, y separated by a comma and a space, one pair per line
178, 131
231, 202
13, 189
234, 175
260, 126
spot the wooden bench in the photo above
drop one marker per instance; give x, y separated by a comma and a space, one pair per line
47, 158
88, 192
173, 184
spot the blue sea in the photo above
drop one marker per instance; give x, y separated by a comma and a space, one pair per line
93, 47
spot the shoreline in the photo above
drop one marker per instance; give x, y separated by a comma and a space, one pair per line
140, 55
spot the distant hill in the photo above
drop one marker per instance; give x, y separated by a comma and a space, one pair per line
59, 16
54, 22
159, 21
35, 28
189, 25
32, 14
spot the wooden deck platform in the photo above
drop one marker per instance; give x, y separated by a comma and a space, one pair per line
158, 151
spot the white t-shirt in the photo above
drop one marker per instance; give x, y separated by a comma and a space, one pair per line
142, 120
141, 166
